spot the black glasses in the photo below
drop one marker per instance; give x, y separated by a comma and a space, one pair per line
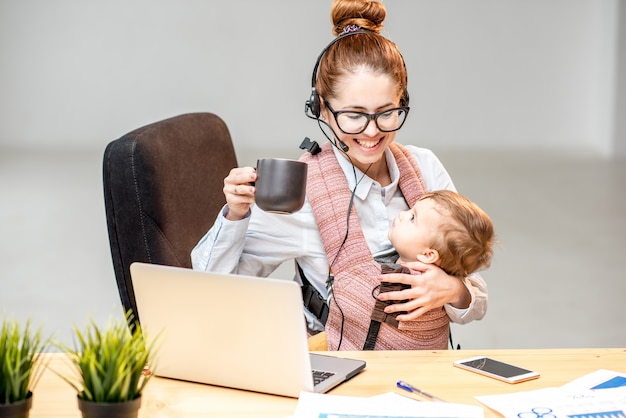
352, 122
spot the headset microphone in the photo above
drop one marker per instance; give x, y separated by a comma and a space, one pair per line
343, 145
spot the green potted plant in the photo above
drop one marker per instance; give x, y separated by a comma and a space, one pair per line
20, 366
112, 365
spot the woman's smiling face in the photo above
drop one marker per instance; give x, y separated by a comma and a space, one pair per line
364, 91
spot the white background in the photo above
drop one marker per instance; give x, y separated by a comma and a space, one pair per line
516, 74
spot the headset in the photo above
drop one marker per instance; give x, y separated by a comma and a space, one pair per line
312, 107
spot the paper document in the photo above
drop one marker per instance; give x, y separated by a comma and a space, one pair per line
388, 405
601, 394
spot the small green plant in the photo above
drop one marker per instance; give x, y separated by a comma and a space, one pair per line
112, 363
20, 348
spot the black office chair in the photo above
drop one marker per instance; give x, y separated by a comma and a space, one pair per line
162, 191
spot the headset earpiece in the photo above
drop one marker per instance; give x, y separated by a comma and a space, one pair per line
312, 107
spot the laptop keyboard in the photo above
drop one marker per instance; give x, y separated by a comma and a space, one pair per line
319, 376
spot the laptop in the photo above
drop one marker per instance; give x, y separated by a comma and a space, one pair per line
230, 330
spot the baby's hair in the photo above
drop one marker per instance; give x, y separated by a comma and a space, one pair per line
465, 245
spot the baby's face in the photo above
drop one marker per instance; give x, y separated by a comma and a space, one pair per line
413, 231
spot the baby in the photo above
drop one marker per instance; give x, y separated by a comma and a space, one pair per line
443, 228
446, 229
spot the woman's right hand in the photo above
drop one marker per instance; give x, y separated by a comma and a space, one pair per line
239, 192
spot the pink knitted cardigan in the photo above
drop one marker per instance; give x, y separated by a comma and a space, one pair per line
356, 273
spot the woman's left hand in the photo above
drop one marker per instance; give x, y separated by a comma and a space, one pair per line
431, 289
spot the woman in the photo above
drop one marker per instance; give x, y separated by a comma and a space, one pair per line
357, 183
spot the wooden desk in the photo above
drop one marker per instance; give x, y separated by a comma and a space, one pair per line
431, 371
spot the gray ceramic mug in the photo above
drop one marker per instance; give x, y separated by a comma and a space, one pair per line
280, 185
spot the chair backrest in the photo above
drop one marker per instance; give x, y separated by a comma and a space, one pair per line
162, 190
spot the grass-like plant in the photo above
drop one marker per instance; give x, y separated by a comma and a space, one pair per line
20, 348
112, 363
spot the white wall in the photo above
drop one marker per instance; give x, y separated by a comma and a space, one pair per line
620, 89
484, 73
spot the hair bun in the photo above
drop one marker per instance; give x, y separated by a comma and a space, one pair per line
366, 14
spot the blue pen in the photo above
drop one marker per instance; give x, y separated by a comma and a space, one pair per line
413, 389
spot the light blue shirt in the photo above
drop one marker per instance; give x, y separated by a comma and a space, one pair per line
258, 244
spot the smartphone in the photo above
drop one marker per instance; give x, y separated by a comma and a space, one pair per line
496, 369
